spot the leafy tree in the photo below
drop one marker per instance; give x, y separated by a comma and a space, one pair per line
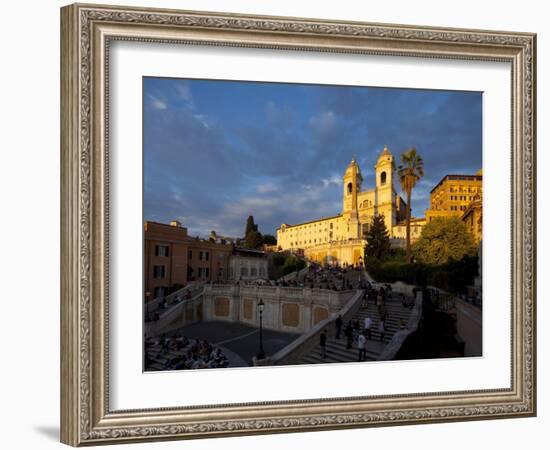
269, 239
410, 171
442, 240
253, 239
378, 238
292, 264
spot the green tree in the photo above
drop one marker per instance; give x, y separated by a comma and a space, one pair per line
410, 171
442, 240
378, 238
269, 239
253, 239
292, 264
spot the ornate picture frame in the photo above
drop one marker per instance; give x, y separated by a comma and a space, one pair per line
86, 34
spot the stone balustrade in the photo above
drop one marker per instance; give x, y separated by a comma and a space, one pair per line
176, 315
289, 309
154, 305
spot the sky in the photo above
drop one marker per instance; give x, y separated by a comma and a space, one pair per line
216, 152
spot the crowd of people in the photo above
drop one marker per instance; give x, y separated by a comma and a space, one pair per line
182, 353
335, 278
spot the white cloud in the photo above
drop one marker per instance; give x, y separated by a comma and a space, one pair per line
332, 179
266, 188
157, 103
324, 121
202, 119
184, 92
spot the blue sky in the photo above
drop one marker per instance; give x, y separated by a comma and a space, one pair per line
216, 152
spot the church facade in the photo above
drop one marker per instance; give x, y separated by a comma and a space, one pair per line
341, 238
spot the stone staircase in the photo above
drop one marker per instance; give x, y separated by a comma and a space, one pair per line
336, 351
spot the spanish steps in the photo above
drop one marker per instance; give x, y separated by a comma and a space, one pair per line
336, 351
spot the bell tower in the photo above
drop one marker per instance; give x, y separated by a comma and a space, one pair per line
384, 191
352, 186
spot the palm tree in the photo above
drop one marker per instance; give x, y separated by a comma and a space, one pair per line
410, 171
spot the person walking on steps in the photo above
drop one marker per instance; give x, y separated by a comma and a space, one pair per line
362, 346
338, 322
382, 330
367, 324
349, 335
323, 343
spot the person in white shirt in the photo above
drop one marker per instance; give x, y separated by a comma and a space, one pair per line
367, 324
361, 346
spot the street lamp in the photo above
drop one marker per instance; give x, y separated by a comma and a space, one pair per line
147, 296
261, 353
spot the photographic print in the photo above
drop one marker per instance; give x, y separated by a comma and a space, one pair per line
286, 197
309, 224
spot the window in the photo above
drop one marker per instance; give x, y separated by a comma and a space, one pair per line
203, 256
383, 178
253, 272
161, 250
262, 271
350, 188
159, 271
189, 254
244, 271
203, 272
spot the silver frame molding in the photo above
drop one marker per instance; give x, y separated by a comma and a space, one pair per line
86, 31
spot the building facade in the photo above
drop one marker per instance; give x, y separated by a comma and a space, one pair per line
172, 259
341, 238
473, 218
453, 195
399, 238
247, 265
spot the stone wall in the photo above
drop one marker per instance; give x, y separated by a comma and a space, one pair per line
286, 308
469, 327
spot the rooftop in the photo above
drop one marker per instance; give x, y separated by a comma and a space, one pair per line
457, 178
311, 221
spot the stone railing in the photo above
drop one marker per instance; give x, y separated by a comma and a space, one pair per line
399, 338
307, 341
178, 315
154, 305
293, 275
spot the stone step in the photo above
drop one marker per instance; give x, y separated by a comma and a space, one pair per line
340, 352
317, 358
336, 350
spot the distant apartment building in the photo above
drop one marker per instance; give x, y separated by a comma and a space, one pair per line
172, 258
400, 232
248, 265
453, 195
473, 218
